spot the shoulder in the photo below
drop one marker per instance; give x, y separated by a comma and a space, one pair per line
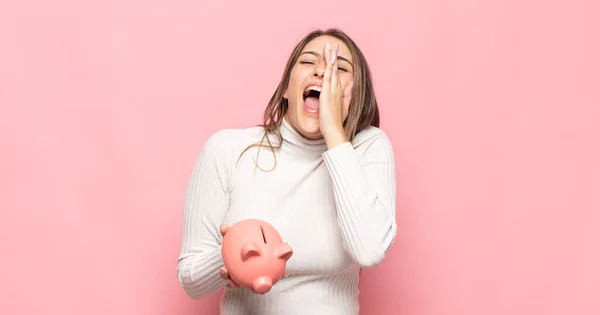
373, 142
370, 136
226, 141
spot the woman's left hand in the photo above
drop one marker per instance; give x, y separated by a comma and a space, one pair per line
334, 100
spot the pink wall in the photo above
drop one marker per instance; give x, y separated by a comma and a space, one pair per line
493, 108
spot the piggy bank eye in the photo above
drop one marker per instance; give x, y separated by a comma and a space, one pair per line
262, 231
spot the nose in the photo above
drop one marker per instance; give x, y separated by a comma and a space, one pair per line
320, 70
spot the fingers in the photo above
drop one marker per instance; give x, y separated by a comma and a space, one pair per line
223, 229
331, 79
335, 79
224, 274
328, 67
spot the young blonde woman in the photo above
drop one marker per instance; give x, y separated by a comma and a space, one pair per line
319, 169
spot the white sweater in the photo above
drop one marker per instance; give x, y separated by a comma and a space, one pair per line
335, 208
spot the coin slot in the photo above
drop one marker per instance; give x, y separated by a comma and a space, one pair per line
262, 231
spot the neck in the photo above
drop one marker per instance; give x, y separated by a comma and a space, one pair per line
294, 138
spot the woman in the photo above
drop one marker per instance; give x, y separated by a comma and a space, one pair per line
319, 169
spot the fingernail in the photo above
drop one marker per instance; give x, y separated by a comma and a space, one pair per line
333, 57
328, 47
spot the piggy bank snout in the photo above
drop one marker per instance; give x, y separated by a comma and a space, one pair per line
262, 285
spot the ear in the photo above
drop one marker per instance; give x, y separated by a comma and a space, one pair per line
224, 229
284, 251
285, 93
250, 250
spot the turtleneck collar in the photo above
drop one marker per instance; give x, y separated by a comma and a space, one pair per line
293, 137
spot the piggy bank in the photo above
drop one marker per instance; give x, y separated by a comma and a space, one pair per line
254, 255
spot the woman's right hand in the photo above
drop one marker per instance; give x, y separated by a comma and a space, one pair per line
225, 275
223, 271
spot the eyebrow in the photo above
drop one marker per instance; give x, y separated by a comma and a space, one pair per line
316, 54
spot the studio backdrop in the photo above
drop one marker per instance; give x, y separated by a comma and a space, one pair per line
492, 108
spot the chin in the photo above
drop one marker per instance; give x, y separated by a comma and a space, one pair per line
309, 127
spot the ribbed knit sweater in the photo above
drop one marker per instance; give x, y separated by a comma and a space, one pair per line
335, 207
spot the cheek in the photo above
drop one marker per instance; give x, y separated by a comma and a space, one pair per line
293, 88
345, 81
346, 78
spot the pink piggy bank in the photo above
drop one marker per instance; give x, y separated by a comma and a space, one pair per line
254, 255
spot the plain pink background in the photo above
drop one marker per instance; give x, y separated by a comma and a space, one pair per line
492, 106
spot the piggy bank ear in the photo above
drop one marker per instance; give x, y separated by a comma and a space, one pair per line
250, 250
284, 251
223, 229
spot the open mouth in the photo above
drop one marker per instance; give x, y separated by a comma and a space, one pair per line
311, 98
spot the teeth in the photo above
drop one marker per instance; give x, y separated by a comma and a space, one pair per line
313, 88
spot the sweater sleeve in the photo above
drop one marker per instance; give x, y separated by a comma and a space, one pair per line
365, 197
205, 205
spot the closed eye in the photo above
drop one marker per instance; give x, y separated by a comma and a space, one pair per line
312, 63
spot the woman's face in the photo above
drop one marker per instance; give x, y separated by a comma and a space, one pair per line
307, 75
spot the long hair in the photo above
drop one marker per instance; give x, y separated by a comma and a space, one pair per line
363, 111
